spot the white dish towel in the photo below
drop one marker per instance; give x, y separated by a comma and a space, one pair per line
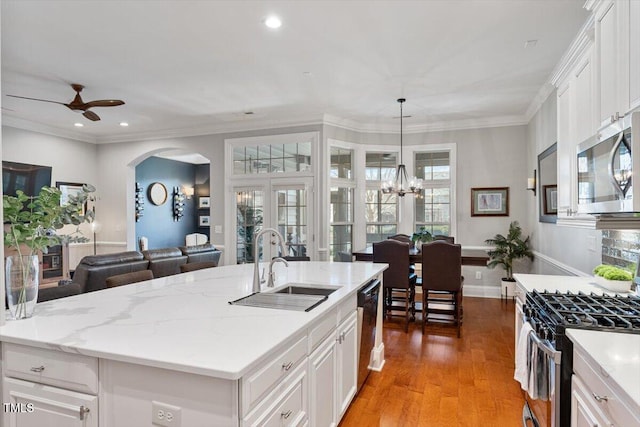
521, 373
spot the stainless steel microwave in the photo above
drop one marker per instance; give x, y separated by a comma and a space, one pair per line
606, 164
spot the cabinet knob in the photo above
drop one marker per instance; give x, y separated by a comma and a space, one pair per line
600, 399
286, 415
37, 369
287, 366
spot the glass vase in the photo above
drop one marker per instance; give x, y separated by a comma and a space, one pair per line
22, 277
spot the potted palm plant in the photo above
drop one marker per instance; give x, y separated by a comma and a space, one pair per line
507, 249
31, 225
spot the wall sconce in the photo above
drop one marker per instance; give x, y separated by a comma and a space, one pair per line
531, 183
188, 191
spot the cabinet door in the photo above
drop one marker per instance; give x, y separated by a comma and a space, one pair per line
612, 38
322, 389
583, 412
634, 54
586, 122
29, 404
566, 151
347, 355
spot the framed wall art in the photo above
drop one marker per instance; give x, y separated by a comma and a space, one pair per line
203, 221
204, 202
550, 202
490, 201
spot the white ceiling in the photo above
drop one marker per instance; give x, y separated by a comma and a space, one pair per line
189, 67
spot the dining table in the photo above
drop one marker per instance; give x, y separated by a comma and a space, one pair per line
476, 257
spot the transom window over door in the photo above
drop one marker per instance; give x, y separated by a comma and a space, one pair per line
433, 211
381, 210
270, 183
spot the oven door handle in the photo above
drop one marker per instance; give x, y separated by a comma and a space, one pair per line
546, 347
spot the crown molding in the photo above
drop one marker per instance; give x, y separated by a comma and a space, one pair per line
542, 95
46, 129
480, 123
579, 45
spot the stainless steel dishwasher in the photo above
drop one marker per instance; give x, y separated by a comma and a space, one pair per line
367, 316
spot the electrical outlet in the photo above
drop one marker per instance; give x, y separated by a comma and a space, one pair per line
166, 415
479, 275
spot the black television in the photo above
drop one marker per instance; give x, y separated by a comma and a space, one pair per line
21, 176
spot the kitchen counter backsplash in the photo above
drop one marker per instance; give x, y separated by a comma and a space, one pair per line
620, 248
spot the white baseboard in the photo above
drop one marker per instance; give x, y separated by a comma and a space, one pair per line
481, 291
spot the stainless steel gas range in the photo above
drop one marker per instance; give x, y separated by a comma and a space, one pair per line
546, 366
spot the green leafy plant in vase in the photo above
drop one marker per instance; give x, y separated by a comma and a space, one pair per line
421, 236
31, 225
613, 278
507, 249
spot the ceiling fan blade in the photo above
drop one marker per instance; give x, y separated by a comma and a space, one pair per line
91, 116
105, 103
37, 99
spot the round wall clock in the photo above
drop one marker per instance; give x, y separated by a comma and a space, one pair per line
158, 193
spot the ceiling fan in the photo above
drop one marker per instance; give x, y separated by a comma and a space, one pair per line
79, 105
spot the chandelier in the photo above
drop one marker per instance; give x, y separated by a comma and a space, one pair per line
402, 184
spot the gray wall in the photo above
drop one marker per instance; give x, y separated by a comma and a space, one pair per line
564, 250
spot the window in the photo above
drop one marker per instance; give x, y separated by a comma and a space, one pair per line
341, 200
249, 214
433, 211
272, 158
381, 210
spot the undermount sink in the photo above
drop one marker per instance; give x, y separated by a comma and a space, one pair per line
293, 296
304, 289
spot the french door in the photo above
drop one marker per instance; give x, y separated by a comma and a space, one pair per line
285, 204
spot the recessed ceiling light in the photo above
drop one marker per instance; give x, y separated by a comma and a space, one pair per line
273, 22
124, 124
78, 125
530, 43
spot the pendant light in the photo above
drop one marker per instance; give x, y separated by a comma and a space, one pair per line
402, 184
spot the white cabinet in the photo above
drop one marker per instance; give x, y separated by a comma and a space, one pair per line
612, 45
596, 400
333, 374
566, 151
28, 404
634, 54
322, 377
46, 388
584, 411
583, 92
347, 367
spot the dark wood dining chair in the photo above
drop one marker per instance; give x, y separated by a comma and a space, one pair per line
401, 238
193, 266
399, 282
128, 278
449, 239
442, 283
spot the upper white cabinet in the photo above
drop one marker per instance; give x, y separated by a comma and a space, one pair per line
612, 46
566, 150
634, 54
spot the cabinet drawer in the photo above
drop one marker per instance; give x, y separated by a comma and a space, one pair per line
322, 329
65, 370
41, 405
262, 380
596, 382
346, 307
286, 408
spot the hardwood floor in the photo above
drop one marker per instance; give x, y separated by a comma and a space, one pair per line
440, 380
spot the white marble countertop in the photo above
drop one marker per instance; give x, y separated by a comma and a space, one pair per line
617, 355
184, 322
551, 283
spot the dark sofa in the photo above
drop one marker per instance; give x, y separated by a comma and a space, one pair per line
92, 272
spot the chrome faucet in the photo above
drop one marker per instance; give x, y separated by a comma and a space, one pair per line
256, 255
272, 274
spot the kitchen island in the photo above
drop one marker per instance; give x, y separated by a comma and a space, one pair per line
176, 346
